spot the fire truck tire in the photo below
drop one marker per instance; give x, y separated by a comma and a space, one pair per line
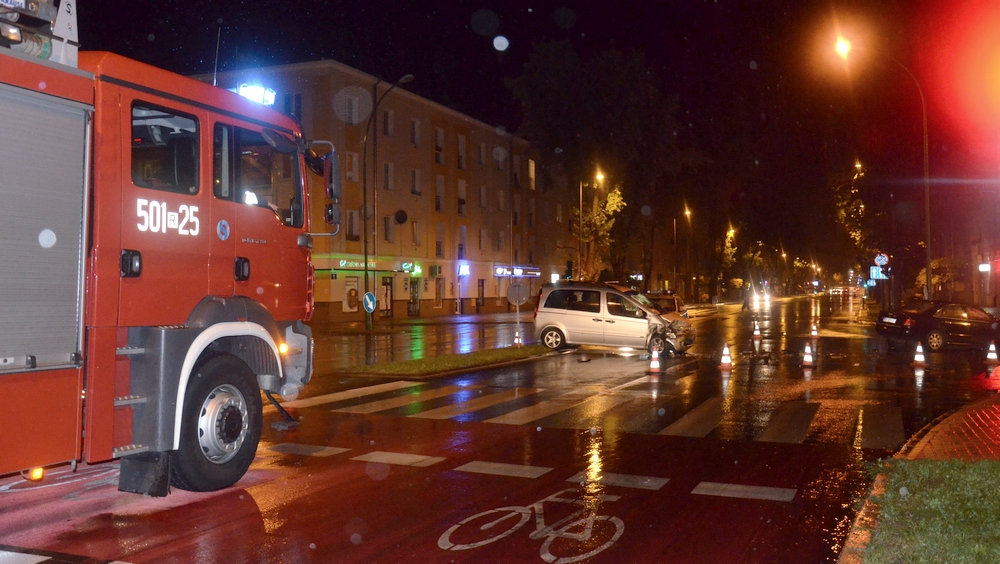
220, 426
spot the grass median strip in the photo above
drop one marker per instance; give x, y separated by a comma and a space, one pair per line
937, 511
450, 362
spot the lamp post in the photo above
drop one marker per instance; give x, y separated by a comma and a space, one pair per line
364, 174
687, 263
843, 48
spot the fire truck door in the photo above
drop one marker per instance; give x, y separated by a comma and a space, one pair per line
222, 218
272, 267
164, 216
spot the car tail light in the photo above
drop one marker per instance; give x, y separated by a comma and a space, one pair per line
909, 323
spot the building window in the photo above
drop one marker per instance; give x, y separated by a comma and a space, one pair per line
531, 212
517, 170
353, 167
502, 199
500, 155
439, 241
501, 242
482, 195
483, 237
415, 182
388, 229
558, 213
415, 132
353, 232
351, 104
482, 153
388, 122
293, 105
461, 152
516, 208
439, 194
461, 197
531, 249
415, 224
439, 146
531, 174
461, 242
389, 176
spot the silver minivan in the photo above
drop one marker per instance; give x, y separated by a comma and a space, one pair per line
576, 313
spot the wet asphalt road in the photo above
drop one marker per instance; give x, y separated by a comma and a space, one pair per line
580, 456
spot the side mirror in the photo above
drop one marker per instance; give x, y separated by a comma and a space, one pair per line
331, 177
331, 214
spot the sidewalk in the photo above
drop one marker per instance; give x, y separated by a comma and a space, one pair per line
969, 434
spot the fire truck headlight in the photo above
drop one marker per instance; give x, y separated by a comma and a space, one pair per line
283, 348
35, 474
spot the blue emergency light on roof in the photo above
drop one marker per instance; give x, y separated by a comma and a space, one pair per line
257, 93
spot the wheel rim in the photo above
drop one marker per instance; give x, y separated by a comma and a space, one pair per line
223, 424
657, 344
935, 340
552, 339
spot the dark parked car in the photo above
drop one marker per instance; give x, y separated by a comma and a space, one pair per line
939, 324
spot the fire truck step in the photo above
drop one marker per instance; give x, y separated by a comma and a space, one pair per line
129, 400
130, 351
126, 450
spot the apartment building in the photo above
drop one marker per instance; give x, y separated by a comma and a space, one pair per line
454, 210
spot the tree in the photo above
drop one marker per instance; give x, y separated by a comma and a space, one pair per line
605, 111
596, 234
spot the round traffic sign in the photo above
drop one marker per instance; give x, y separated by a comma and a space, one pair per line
518, 294
881, 259
369, 302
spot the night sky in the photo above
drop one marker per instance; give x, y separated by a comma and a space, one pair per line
758, 87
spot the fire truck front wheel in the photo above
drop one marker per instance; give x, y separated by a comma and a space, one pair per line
220, 427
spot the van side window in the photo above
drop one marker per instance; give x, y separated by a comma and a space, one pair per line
576, 300
621, 307
164, 149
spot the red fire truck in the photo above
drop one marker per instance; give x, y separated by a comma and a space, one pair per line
155, 265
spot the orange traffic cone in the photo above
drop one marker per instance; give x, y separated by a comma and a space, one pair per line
654, 363
918, 357
756, 330
815, 333
807, 356
991, 355
727, 361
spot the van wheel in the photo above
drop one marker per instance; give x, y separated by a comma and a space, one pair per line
553, 338
657, 344
220, 426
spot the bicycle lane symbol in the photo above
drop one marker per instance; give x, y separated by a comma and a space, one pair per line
504, 521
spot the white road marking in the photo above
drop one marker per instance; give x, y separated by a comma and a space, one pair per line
20, 558
745, 492
789, 423
303, 450
698, 422
449, 411
881, 426
622, 480
540, 410
501, 469
347, 394
400, 401
399, 458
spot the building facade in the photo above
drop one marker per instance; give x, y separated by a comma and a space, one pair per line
451, 210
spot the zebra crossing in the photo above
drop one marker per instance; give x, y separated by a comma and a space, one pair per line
633, 406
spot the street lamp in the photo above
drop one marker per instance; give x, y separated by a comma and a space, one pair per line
843, 48
364, 173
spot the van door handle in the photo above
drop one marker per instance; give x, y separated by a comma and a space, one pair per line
597, 320
609, 320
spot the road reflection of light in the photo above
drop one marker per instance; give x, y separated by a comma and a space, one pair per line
595, 467
464, 342
417, 343
807, 376
918, 376
861, 426
725, 383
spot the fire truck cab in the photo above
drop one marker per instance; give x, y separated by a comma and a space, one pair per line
155, 267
